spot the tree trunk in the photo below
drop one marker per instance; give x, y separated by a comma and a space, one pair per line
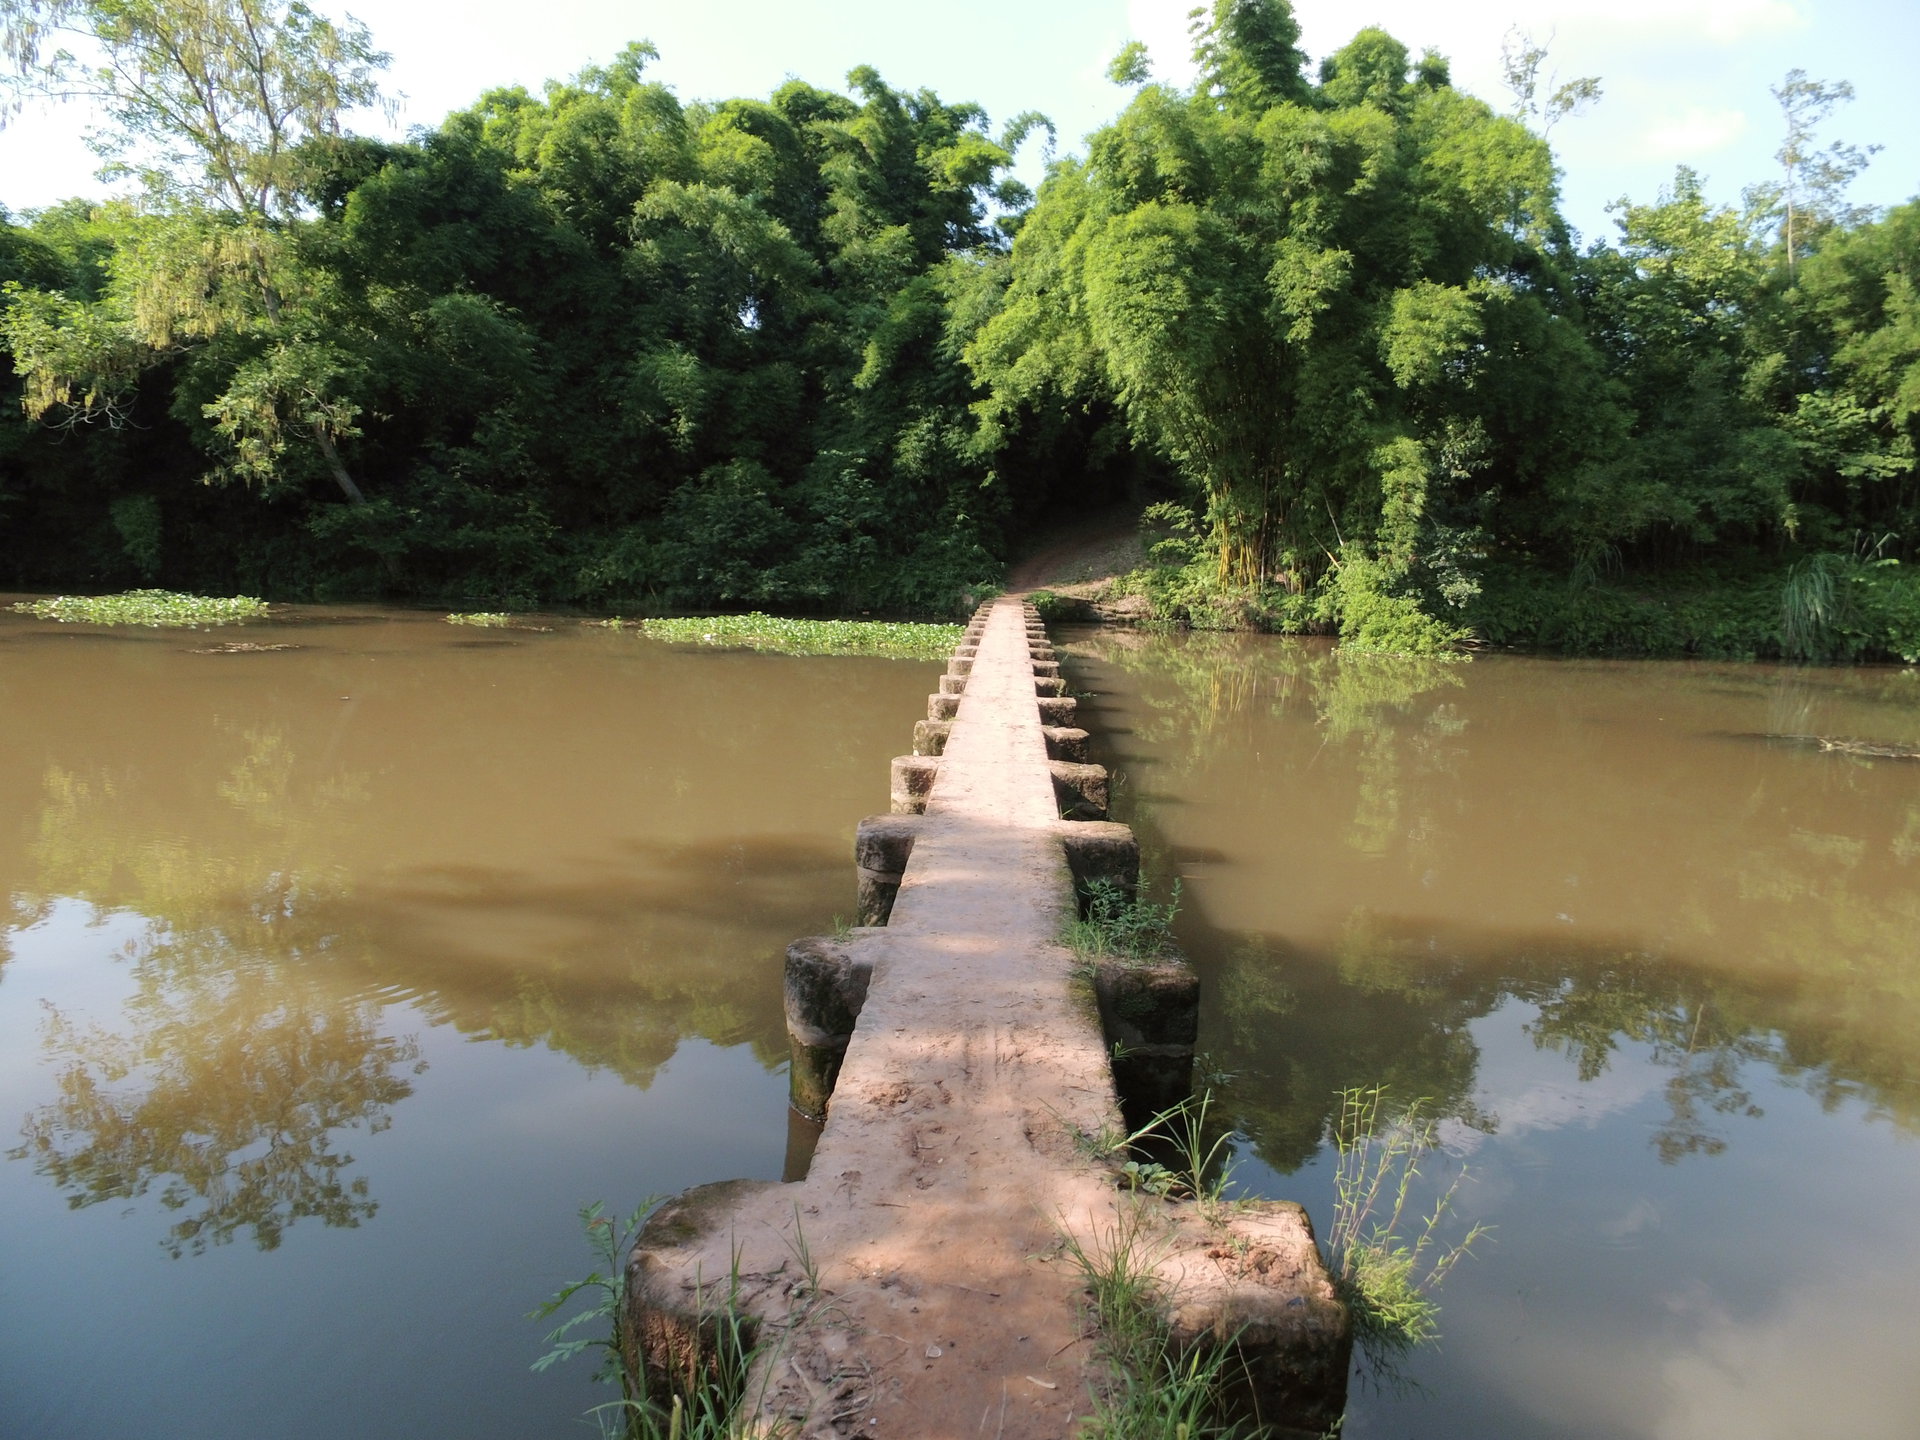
332, 456
346, 483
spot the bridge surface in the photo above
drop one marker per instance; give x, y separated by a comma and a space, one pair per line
913, 1284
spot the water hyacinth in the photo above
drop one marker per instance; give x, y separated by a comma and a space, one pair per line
756, 631
145, 607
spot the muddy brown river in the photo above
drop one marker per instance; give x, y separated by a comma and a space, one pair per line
335, 979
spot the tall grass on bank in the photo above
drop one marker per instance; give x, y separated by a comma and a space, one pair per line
1387, 1256
755, 631
145, 607
707, 1410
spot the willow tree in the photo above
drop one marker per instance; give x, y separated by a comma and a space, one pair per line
1320, 301
207, 103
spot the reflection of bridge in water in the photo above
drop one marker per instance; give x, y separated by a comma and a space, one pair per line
914, 1281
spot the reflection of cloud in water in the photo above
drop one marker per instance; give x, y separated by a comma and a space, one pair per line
1831, 1355
1527, 1089
1797, 1369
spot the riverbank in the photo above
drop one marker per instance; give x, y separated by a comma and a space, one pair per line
1826, 608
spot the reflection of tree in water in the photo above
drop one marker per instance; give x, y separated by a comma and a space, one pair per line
1206, 683
1825, 996
1396, 1010
614, 960
254, 1039
1685, 1027
230, 1091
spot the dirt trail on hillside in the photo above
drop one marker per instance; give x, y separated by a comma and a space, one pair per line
1096, 548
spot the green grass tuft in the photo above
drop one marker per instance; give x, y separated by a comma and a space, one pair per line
492, 619
773, 633
1386, 1259
707, 1408
1118, 925
1148, 1389
145, 607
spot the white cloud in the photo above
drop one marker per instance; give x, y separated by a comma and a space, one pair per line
1161, 25
1697, 131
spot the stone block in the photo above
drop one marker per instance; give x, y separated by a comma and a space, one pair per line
1251, 1278
913, 777
1101, 850
1064, 743
1056, 710
881, 845
1079, 790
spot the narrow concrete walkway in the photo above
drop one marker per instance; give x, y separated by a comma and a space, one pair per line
913, 1283
947, 1164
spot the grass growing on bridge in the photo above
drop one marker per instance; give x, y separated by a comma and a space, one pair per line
1146, 1388
756, 631
145, 607
1118, 925
705, 1409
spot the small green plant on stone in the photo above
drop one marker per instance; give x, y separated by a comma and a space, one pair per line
145, 607
1201, 1165
1147, 1389
1387, 1259
1119, 925
705, 1414
605, 1287
1052, 607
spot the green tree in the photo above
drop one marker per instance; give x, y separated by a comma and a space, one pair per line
1546, 100
1813, 180
1339, 310
207, 102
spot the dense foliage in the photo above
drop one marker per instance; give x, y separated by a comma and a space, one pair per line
607, 347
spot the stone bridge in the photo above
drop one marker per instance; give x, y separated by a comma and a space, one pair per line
915, 1281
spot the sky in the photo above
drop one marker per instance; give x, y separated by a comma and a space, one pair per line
1684, 81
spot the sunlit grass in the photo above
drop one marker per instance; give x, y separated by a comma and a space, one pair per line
145, 607
1387, 1259
755, 631
1120, 926
1144, 1387
492, 618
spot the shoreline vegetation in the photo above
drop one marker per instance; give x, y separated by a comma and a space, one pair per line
1857, 613
1835, 610
1322, 322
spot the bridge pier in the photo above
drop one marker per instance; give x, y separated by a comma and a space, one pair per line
914, 1282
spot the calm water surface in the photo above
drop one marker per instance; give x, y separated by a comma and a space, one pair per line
336, 979
1660, 972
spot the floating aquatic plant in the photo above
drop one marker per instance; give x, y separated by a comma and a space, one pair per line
756, 631
145, 607
492, 618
